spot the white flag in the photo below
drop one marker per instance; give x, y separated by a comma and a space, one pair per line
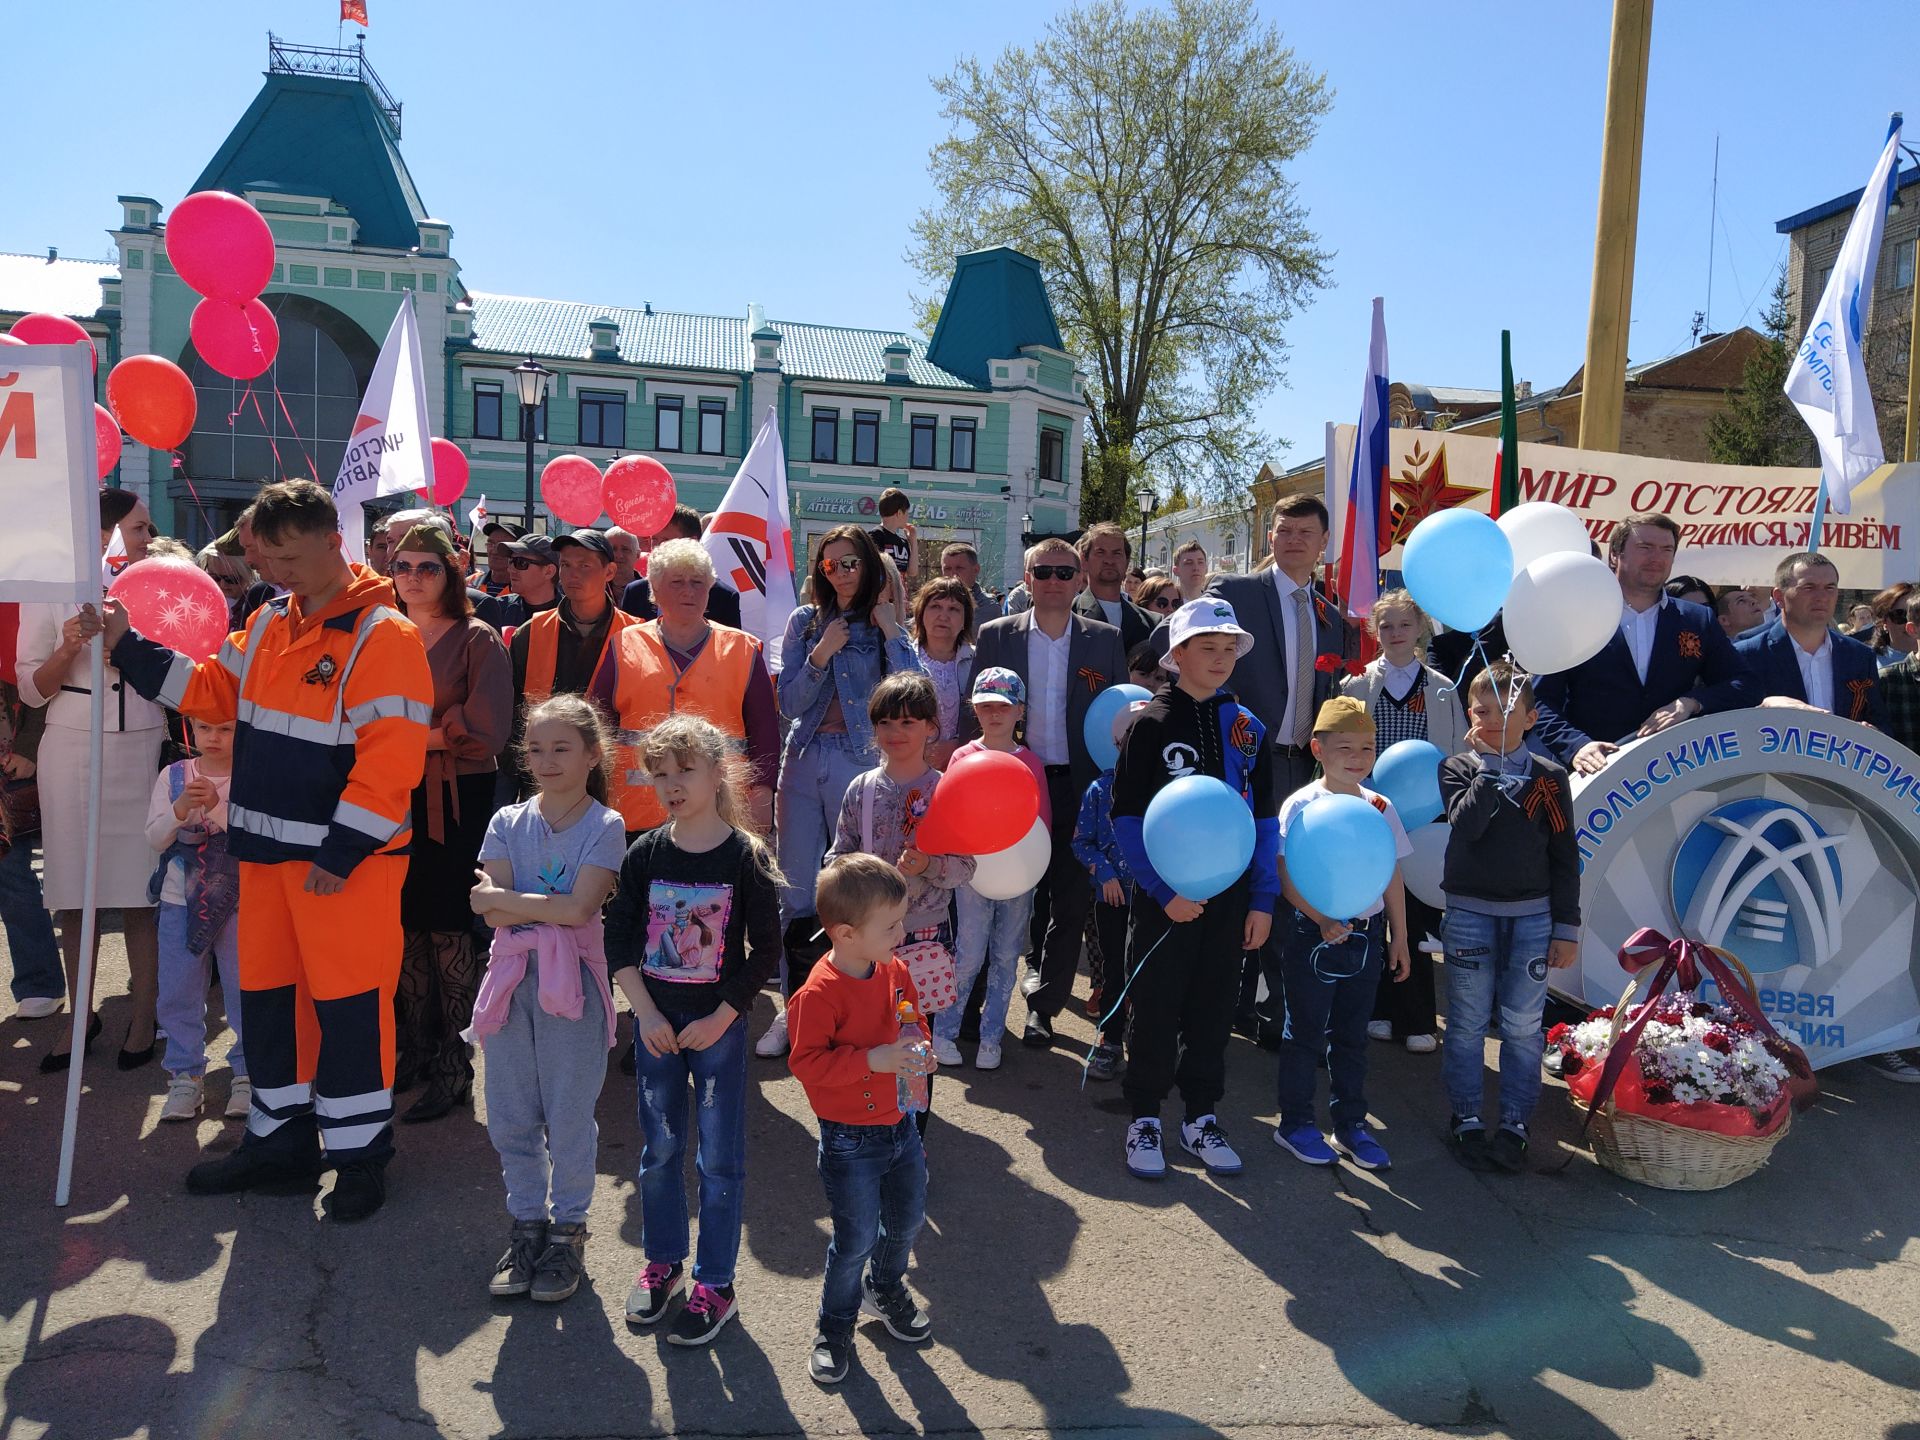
390, 451
751, 540
50, 544
1828, 381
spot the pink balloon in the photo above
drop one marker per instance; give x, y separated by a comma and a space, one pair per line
239, 341
449, 473
639, 494
43, 329
106, 433
571, 487
176, 603
221, 246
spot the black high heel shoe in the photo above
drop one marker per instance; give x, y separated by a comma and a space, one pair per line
134, 1059
52, 1064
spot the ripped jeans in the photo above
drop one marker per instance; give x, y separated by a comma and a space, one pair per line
674, 1090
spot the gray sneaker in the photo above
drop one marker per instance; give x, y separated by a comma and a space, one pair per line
561, 1265
1900, 1066
513, 1271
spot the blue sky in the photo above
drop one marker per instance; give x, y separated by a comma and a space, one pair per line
704, 156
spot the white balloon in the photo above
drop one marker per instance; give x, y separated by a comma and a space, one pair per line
1539, 528
1017, 869
1421, 870
1562, 609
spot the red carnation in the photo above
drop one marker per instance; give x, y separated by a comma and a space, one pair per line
1714, 1040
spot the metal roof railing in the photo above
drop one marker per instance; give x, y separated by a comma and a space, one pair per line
349, 63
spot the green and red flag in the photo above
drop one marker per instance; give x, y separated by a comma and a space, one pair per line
1506, 467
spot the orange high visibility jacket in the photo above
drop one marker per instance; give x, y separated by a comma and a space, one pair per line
543, 649
331, 713
648, 687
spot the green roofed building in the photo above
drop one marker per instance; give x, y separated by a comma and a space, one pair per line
981, 425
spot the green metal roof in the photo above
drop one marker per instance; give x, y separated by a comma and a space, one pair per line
312, 135
996, 303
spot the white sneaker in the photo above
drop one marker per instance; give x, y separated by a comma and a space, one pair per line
37, 1007
183, 1098
774, 1043
1422, 1044
987, 1057
946, 1052
240, 1098
1379, 1030
1144, 1155
1206, 1140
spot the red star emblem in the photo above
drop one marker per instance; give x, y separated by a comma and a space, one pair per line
1423, 489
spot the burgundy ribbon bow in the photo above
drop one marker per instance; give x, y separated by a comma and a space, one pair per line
1684, 961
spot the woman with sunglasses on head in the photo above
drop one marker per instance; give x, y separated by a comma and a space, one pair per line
837, 648
472, 715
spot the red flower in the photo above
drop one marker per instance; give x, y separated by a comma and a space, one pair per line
1558, 1034
1327, 664
1714, 1040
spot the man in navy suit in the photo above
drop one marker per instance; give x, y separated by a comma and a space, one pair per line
1669, 660
1800, 661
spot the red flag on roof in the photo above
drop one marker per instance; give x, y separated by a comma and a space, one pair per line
354, 10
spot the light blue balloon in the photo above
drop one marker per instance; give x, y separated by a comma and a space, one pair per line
1098, 726
1458, 565
1408, 774
1340, 855
1199, 836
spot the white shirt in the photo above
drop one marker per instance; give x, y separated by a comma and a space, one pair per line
1290, 625
1638, 626
1398, 680
1816, 671
1110, 609
1047, 678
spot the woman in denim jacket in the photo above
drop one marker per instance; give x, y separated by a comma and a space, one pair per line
836, 650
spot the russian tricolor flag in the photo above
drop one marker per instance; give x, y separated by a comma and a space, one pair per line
1363, 517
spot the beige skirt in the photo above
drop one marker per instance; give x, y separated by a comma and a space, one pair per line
129, 761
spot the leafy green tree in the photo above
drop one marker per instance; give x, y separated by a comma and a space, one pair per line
1759, 426
1140, 156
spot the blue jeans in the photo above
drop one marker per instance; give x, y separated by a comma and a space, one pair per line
183, 993
544, 1075
812, 785
876, 1179
991, 933
1328, 991
23, 910
1495, 959
667, 1085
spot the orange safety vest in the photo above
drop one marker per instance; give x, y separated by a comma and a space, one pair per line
543, 650
649, 686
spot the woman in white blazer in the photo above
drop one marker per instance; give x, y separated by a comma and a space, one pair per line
1409, 700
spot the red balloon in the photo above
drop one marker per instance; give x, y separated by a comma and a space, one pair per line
239, 341
639, 494
220, 245
571, 487
43, 329
987, 801
176, 603
153, 400
106, 434
449, 473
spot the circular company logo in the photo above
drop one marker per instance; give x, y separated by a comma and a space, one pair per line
865, 505
1761, 877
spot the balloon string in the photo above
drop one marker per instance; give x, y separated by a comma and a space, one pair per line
180, 464
313, 470
1121, 998
266, 427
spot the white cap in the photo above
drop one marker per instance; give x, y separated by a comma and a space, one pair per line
1209, 615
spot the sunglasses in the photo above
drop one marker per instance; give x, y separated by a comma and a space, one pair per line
1161, 602
426, 569
846, 565
1055, 572
524, 562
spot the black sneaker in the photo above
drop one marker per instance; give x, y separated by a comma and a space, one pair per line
359, 1189
1104, 1062
1039, 1032
513, 1271
896, 1311
709, 1308
1507, 1150
653, 1290
832, 1354
562, 1263
1468, 1139
249, 1168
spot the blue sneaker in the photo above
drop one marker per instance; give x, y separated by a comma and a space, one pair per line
1363, 1149
1306, 1144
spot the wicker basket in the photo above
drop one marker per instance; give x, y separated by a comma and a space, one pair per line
1673, 1157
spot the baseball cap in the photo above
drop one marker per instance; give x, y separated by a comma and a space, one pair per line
537, 548
505, 527
592, 540
1209, 615
999, 686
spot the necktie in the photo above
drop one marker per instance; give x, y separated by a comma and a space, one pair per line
1303, 654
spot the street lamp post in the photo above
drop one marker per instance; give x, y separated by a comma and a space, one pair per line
1146, 509
532, 378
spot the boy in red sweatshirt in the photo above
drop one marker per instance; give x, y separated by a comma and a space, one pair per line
847, 1054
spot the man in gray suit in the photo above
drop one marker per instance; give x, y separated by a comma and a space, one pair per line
1065, 660
1293, 625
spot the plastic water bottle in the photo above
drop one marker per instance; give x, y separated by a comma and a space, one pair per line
912, 1090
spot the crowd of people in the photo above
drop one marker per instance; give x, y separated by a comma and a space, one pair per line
422, 806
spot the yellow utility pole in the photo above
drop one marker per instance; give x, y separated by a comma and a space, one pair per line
1603, 388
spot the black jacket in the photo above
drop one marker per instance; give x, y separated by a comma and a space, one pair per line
1135, 624
1512, 841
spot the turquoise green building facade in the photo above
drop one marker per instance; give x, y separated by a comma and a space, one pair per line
981, 425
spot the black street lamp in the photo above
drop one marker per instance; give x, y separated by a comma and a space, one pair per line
1147, 503
532, 378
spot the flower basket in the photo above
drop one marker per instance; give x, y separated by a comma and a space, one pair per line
1703, 1093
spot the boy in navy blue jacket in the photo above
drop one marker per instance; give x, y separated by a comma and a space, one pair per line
1184, 990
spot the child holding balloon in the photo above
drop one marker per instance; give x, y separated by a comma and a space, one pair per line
1199, 902
1331, 968
1095, 847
